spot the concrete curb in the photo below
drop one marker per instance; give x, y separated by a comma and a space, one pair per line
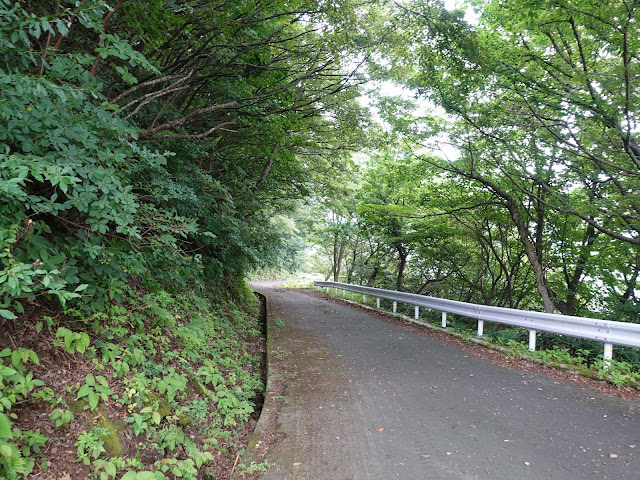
268, 413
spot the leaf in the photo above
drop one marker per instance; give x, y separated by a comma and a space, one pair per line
5, 427
93, 400
62, 332
82, 342
9, 315
33, 356
69, 345
110, 469
148, 476
156, 418
84, 391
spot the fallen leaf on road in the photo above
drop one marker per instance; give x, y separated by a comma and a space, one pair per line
613, 455
297, 463
379, 429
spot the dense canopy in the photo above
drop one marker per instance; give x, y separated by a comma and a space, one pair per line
155, 154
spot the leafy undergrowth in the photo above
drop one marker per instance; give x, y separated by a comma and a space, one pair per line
616, 372
165, 387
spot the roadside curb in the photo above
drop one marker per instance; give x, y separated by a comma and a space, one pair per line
268, 414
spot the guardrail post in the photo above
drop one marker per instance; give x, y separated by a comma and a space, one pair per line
532, 340
608, 355
395, 307
378, 302
335, 291
444, 319
327, 290
364, 299
480, 327
343, 290
417, 313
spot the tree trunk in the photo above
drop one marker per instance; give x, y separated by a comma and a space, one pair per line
338, 262
573, 282
352, 266
402, 255
529, 248
372, 277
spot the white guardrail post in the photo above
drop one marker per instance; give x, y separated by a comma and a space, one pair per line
532, 340
377, 302
416, 313
608, 355
608, 332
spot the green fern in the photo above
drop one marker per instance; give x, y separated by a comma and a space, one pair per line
12, 465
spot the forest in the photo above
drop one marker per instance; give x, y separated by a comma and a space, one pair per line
154, 155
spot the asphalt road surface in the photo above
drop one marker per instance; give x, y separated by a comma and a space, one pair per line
368, 398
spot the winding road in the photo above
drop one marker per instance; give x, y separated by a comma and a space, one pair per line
355, 395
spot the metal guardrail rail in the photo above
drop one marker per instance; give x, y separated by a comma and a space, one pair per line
606, 331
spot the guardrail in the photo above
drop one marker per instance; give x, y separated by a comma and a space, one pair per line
606, 331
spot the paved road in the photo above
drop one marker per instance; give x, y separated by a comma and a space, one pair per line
370, 399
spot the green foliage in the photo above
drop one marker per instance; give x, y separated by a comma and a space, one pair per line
33, 441
94, 390
532, 95
143, 476
90, 212
61, 416
119, 177
16, 382
72, 341
69, 214
618, 372
105, 469
171, 384
206, 356
91, 445
12, 465
253, 468
16, 462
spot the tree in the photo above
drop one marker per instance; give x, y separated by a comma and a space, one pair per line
533, 94
157, 142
